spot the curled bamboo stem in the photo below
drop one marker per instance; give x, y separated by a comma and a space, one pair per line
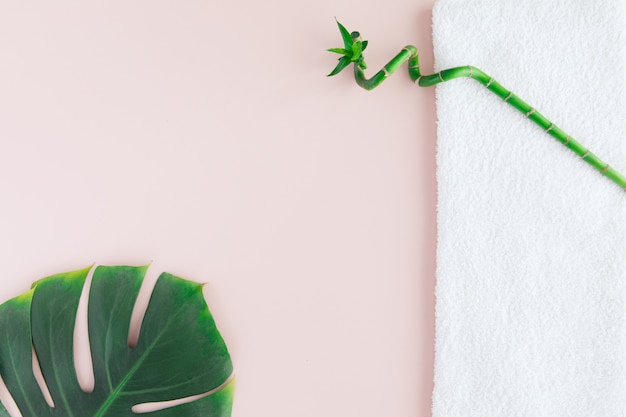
409, 53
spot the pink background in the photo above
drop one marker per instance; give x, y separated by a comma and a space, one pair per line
204, 136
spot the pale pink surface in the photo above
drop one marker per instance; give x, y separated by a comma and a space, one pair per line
206, 137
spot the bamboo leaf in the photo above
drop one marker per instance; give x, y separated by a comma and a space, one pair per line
345, 35
339, 51
343, 62
357, 48
364, 45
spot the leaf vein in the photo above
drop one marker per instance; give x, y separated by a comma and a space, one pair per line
135, 367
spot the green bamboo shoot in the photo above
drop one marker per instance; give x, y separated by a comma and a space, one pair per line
352, 53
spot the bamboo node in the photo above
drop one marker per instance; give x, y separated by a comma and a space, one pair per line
509, 96
606, 168
550, 127
412, 54
470, 68
567, 140
440, 76
531, 111
489, 82
586, 154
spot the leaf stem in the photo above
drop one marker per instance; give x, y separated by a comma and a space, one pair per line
409, 53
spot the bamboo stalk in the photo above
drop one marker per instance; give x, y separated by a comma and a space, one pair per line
409, 53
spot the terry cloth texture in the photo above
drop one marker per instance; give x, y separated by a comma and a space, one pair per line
531, 258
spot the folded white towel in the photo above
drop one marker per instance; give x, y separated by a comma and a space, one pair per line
531, 261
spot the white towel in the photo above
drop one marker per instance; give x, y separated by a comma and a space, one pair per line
531, 274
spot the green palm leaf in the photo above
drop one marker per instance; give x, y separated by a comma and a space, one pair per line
179, 353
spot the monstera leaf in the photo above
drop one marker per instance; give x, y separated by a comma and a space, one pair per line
179, 352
